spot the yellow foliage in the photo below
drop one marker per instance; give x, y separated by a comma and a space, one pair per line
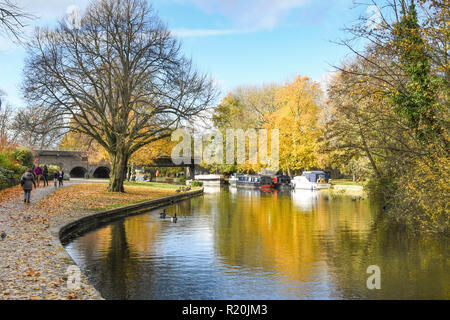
297, 120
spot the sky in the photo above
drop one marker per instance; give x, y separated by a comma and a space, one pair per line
236, 42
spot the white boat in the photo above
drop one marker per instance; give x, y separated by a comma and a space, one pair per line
311, 180
210, 180
233, 180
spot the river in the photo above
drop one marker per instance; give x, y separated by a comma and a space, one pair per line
249, 244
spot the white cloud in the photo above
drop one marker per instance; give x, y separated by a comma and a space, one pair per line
50, 8
250, 14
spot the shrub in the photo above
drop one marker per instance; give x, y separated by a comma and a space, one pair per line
10, 170
196, 183
52, 169
24, 156
7, 178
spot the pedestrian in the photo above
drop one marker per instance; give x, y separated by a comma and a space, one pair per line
60, 177
27, 181
38, 173
55, 178
45, 175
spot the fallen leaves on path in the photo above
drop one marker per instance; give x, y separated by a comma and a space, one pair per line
10, 194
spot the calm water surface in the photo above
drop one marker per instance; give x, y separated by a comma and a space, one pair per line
248, 244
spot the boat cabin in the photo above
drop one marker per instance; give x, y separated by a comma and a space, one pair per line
281, 180
316, 176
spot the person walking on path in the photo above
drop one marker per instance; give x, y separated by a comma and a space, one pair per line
38, 172
60, 177
27, 181
45, 176
55, 178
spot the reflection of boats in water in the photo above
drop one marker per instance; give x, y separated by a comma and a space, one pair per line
311, 180
212, 189
305, 199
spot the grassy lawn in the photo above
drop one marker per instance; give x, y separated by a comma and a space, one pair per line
345, 182
94, 197
158, 185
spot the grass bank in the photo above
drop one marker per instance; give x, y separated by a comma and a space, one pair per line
93, 197
344, 182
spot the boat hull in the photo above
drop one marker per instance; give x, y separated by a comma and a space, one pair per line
312, 186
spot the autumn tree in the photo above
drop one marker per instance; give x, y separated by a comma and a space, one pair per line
389, 108
121, 78
298, 121
245, 107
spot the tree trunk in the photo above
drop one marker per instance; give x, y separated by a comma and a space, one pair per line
119, 163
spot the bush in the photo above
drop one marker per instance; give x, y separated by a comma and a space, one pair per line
196, 183
51, 170
24, 156
7, 178
10, 170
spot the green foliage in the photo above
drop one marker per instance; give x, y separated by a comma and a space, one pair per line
417, 102
196, 183
388, 116
52, 169
7, 178
10, 170
24, 156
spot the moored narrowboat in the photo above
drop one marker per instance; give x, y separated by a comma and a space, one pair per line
266, 182
281, 181
248, 181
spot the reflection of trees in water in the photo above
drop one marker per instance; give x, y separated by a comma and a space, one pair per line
275, 233
123, 276
118, 273
271, 232
340, 237
411, 267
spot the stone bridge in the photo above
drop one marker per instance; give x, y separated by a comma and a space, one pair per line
77, 165
74, 163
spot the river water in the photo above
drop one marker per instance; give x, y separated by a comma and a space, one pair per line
249, 244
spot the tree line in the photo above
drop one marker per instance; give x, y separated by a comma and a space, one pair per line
121, 82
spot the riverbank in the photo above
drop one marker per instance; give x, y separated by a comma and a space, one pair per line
33, 263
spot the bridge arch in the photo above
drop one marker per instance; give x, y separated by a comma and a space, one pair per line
101, 172
78, 172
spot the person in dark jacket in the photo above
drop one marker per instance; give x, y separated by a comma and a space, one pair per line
60, 177
27, 181
45, 176
55, 179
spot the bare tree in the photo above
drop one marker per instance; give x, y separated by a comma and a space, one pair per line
12, 19
33, 128
120, 79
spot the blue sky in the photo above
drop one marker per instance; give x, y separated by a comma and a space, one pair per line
237, 42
